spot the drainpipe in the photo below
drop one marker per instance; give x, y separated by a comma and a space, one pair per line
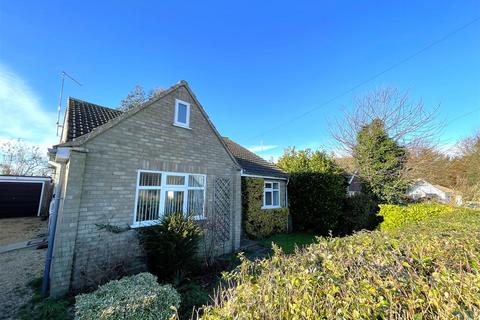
61, 158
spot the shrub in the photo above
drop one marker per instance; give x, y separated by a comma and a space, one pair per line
395, 216
316, 201
258, 222
426, 270
171, 246
359, 212
135, 297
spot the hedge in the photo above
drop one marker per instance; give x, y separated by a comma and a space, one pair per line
316, 201
395, 216
132, 298
424, 270
258, 222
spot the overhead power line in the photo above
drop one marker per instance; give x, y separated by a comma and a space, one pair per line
375, 76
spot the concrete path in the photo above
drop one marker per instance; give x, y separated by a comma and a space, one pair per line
23, 245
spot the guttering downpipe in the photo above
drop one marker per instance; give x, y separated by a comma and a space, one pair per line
52, 226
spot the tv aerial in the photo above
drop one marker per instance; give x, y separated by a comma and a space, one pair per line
64, 75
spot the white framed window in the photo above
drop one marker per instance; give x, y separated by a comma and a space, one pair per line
159, 193
271, 194
182, 114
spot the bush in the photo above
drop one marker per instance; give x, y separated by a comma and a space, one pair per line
135, 297
258, 222
359, 213
395, 216
426, 270
171, 246
316, 201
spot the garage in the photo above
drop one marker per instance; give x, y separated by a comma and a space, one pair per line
23, 196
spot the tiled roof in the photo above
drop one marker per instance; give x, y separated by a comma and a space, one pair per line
84, 116
251, 163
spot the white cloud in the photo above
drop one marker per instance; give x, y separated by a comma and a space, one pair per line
261, 148
21, 112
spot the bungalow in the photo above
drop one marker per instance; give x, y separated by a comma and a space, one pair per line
124, 170
422, 189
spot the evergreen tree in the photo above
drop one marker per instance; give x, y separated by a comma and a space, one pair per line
380, 161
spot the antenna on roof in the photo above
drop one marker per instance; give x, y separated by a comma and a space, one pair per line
64, 74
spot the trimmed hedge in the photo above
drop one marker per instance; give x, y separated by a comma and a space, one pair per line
425, 270
359, 213
395, 216
258, 222
316, 201
135, 297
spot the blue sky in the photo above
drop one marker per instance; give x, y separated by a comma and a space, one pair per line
253, 65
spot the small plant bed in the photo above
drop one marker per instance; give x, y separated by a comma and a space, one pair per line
288, 242
44, 307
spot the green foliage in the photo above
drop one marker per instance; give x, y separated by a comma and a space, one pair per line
380, 161
193, 296
171, 246
288, 242
136, 297
359, 213
395, 216
315, 191
316, 200
425, 270
258, 222
293, 161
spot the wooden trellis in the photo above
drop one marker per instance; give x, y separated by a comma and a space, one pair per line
221, 208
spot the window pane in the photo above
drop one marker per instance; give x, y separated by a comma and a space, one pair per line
268, 185
276, 198
148, 204
196, 181
150, 179
268, 198
182, 113
173, 202
176, 180
195, 202
275, 185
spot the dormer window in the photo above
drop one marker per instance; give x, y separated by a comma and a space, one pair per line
182, 114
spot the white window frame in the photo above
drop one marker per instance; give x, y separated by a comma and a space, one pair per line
176, 122
272, 189
163, 189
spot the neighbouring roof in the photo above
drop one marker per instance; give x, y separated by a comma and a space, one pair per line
253, 164
444, 189
439, 187
83, 117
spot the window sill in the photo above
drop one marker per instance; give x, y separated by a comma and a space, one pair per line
144, 224
180, 125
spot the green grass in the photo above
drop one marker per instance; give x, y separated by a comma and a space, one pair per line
288, 242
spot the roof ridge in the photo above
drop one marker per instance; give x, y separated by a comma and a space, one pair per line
95, 104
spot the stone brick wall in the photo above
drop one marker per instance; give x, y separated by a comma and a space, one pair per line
101, 184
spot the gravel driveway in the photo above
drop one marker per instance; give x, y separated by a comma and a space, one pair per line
19, 267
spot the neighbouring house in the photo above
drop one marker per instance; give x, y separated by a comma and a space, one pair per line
354, 184
124, 170
422, 189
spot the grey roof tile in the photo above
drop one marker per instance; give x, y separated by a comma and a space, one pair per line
251, 163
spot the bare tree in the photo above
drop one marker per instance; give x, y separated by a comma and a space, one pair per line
20, 158
406, 121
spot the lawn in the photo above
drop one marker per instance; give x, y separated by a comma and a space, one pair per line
428, 269
288, 242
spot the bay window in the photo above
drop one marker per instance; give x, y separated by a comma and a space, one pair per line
160, 193
271, 194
